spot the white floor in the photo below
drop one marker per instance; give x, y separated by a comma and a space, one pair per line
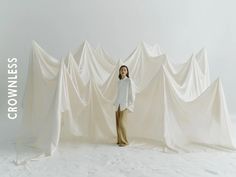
101, 160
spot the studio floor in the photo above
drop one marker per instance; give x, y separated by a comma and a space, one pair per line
136, 160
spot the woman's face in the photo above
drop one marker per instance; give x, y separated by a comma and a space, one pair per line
123, 71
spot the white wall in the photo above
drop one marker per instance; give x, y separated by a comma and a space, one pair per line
180, 27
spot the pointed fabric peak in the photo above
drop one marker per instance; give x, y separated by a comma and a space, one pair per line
43, 54
192, 56
218, 82
202, 50
34, 43
83, 48
70, 55
86, 43
146, 45
68, 58
142, 44
151, 50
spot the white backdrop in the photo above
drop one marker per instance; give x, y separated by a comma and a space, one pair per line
180, 27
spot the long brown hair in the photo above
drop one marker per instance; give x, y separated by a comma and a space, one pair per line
127, 71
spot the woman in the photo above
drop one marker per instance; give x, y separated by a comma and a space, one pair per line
124, 102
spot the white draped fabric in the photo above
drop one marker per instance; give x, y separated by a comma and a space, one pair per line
175, 104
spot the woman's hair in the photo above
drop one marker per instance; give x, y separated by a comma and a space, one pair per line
127, 71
